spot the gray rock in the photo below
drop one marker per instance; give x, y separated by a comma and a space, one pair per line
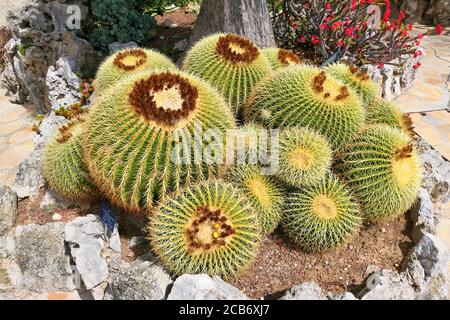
341, 296
426, 265
141, 280
42, 27
63, 86
40, 253
52, 200
29, 177
305, 291
8, 209
423, 216
203, 287
118, 46
181, 46
388, 285
85, 236
48, 128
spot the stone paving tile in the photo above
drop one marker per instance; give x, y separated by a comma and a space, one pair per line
16, 138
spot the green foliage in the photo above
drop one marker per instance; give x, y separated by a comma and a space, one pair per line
161, 7
383, 169
265, 194
321, 217
119, 20
307, 96
130, 143
232, 64
23, 48
64, 167
305, 157
209, 228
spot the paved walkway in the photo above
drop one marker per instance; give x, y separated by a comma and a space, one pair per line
428, 102
16, 138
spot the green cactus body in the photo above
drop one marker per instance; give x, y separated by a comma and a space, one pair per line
209, 228
357, 80
126, 62
64, 167
305, 157
263, 191
383, 169
321, 217
280, 58
305, 96
380, 111
231, 63
141, 136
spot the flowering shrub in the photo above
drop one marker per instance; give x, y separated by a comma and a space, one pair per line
86, 90
361, 31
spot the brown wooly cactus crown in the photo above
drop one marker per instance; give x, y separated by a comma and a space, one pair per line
280, 58
380, 111
209, 228
357, 79
231, 63
127, 61
64, 167
383, 169
139, 143
307, 96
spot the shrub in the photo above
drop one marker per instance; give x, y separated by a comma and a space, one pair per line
119, 20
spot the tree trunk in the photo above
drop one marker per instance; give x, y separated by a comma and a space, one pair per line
248, 18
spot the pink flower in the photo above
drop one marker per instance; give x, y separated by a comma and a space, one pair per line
439, 29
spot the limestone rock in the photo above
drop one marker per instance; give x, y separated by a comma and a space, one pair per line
141, 280
388, 285
29, 176
305, 291
40, 253
342, 296
203, 287
8, 209
181, 46
48, 128
423, 216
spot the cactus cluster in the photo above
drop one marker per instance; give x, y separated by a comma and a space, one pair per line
344, 153
209, 228
64, 167
307, 96
231, 63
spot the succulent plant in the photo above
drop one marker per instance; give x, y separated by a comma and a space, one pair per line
127, 61
209, 228
383, 169
265, 194
231, 63
357, 79
305, 157
141, 140
64, 167
306, 96
322, 216
280, 58
380, 111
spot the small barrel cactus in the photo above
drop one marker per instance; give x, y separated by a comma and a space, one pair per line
357, 79
64, 167
263, 191
140, 141
231, 63
127, 61
305, 157
383, 169
306, 96
209, 228
321, 217
380, 111
280, 58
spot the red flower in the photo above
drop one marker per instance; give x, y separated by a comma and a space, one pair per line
439, 29
348, 31
323, 26
417, 66
328, 6
340, 43
336, 24
294, 26
353, 5
302, 38
380, 65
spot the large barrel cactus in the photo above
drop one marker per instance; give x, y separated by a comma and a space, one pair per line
280, 58
231, 63
141, 141
383, 169
209, 228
